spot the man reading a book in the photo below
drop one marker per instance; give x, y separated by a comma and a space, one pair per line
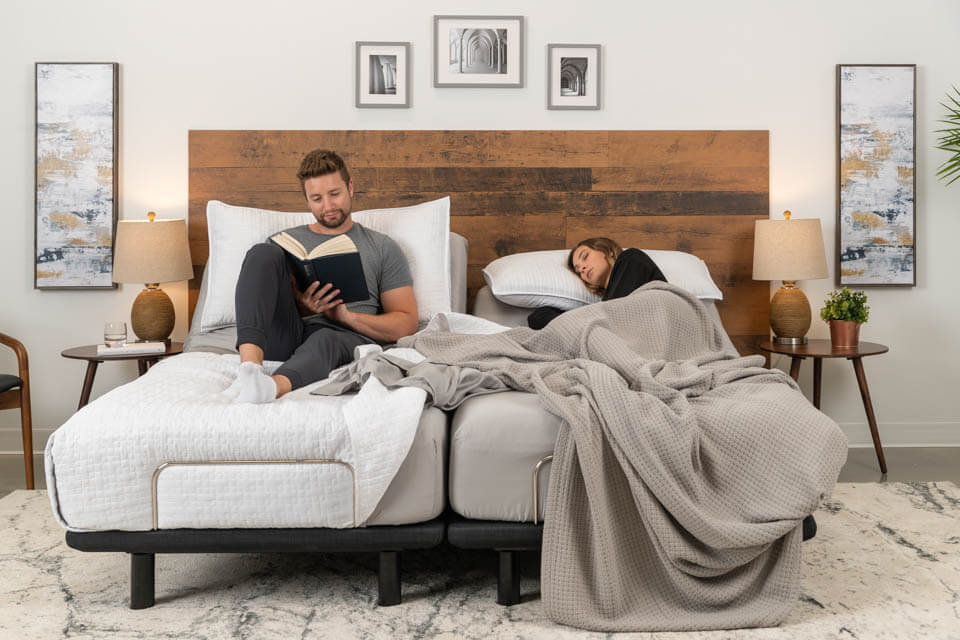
313, 330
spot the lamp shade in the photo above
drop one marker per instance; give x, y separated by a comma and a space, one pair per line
788, 250
152, 251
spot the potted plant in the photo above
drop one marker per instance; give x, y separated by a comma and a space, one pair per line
845, 310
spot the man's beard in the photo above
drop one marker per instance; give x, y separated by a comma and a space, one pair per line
334, 223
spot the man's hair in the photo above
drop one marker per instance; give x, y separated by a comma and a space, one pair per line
609, 247
321, 162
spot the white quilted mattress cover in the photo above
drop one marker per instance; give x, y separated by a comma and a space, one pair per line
100, 464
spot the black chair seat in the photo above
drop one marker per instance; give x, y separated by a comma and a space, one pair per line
8, 382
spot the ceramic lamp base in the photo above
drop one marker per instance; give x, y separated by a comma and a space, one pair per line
790, 315
152, 316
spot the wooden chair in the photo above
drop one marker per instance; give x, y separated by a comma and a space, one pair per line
15, 393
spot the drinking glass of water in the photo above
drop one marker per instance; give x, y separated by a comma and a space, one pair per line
115, 334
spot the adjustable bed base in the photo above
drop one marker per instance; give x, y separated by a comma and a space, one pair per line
143, 546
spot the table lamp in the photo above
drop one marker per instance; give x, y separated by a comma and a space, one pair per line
789, 250
152, 251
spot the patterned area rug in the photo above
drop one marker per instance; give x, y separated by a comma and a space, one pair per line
885, 564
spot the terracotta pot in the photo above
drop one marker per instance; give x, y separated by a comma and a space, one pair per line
844, 333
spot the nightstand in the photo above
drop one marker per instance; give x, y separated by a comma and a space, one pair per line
89, 353
819, 349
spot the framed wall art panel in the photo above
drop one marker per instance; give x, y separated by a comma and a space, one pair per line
76, 174
573, 76
478, 51
383, 75
876, 175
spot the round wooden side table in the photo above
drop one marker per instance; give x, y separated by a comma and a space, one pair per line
819, 349
89, 353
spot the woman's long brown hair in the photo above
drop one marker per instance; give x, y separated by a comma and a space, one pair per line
607, 246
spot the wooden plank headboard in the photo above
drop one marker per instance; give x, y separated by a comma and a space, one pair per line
511, 191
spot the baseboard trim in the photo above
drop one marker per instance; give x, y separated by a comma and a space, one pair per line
11, 439
904, 434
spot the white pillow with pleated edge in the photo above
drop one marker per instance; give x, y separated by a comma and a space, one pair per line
423, 233
537, 279
232, 230
541, 278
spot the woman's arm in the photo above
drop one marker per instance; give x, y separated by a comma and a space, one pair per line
541, 317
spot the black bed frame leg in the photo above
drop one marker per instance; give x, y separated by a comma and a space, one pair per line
389, 579
141, 580
508, 578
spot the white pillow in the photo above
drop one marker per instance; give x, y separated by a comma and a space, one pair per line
537, 279
421, 230
542, 279
231, 231
687, 271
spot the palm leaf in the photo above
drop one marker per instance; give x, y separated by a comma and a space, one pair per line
954, 100
949, 141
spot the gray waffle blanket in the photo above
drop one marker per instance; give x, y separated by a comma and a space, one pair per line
681, 473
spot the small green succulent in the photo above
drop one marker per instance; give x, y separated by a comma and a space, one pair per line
845, 305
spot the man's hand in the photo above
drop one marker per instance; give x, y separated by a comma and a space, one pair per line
317, 299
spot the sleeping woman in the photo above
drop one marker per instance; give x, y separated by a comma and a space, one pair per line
607, 270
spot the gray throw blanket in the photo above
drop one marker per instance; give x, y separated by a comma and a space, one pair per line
681, 472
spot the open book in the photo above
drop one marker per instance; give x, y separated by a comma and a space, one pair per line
336, 261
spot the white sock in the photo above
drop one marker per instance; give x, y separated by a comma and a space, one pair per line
252, 385
233, 390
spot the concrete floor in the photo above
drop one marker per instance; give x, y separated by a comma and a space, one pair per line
904, 464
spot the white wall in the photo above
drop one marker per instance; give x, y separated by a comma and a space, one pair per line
682, 65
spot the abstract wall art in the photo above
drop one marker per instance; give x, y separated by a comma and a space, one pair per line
76, 174
876, 178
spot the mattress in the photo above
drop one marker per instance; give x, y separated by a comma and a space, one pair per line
500, 448
126, 462
300, 494
501, 444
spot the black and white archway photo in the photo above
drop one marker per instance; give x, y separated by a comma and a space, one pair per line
383, 74
573, 76
478, 51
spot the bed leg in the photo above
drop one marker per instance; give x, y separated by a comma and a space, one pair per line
141, 580
508, 578
389, 579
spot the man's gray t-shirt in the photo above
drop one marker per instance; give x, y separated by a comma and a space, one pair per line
384, 265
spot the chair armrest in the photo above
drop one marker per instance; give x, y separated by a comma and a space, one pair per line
21, 352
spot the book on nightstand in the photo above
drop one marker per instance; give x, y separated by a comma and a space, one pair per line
336, 261
131, 348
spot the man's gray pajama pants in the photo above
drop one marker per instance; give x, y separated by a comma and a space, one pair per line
267, 316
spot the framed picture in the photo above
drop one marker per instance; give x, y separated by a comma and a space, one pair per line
573, 76
478, 51
75, 174
383, 75
876, 177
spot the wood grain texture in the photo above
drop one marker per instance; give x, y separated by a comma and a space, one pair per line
513, 191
